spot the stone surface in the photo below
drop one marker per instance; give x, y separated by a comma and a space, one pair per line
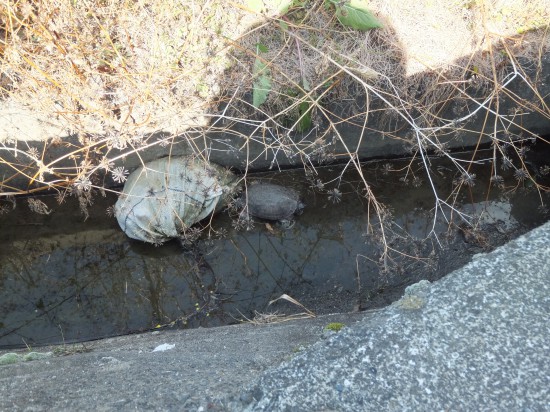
167, 370
476, 340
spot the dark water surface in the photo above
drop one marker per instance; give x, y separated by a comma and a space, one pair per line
63, 279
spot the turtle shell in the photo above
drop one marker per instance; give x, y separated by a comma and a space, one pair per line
272, 202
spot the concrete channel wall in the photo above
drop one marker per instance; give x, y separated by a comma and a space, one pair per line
244, 145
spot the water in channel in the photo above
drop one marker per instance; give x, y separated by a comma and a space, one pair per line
66, 279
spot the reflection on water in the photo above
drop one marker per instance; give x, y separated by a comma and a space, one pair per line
66, 279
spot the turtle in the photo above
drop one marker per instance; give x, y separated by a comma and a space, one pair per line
270, 201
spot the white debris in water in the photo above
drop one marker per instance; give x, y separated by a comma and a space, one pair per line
493, 212
164, 347
165, 197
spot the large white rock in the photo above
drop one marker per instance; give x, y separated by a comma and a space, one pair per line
163, 198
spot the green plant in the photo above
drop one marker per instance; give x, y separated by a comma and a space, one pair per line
334, 327
262, 82
350, 13
354, 14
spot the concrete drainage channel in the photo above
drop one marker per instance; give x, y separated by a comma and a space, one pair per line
474, 340
70, 281
66, 279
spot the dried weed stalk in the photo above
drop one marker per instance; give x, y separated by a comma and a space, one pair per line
113, 72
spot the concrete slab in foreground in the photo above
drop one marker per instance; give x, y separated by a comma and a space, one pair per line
170, 370
479, 339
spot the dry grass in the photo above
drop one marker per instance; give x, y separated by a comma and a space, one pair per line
276, 317
117, 67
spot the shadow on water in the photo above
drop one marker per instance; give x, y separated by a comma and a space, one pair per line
64, 279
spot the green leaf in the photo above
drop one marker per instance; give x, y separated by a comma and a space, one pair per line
354, 14
304, 123
262, 83
261, 48
255, 5
283, 6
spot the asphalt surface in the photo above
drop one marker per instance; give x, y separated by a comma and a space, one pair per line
478, 339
